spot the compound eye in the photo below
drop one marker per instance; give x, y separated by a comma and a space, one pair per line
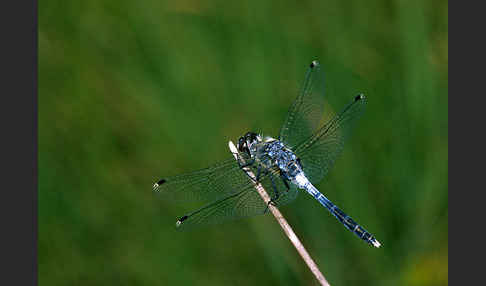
241, 144
251, 137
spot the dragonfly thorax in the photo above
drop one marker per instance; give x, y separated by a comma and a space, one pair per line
270, 152
283, 157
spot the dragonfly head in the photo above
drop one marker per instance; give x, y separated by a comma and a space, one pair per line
247, 143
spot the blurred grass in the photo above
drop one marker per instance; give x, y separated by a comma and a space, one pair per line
133, 91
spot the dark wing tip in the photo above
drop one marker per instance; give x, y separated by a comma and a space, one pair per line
157, 185
314, 64
359, 97
181, 220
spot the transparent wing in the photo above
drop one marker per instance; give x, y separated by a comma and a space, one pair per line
318, 153
244, 203
209, 184
306, 111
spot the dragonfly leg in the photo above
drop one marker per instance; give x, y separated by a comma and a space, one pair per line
259, 172
244, 164
247, 164
286, 183
275, 190
275, 197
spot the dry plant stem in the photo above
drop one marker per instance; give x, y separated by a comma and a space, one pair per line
284, 224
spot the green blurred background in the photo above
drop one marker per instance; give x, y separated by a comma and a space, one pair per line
131, 91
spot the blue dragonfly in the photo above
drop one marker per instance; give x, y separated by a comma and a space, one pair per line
299, 159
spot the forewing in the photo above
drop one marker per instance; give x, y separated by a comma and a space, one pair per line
305, 113
209, 184
318, 153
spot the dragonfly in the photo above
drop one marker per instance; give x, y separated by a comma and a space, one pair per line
297, 160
